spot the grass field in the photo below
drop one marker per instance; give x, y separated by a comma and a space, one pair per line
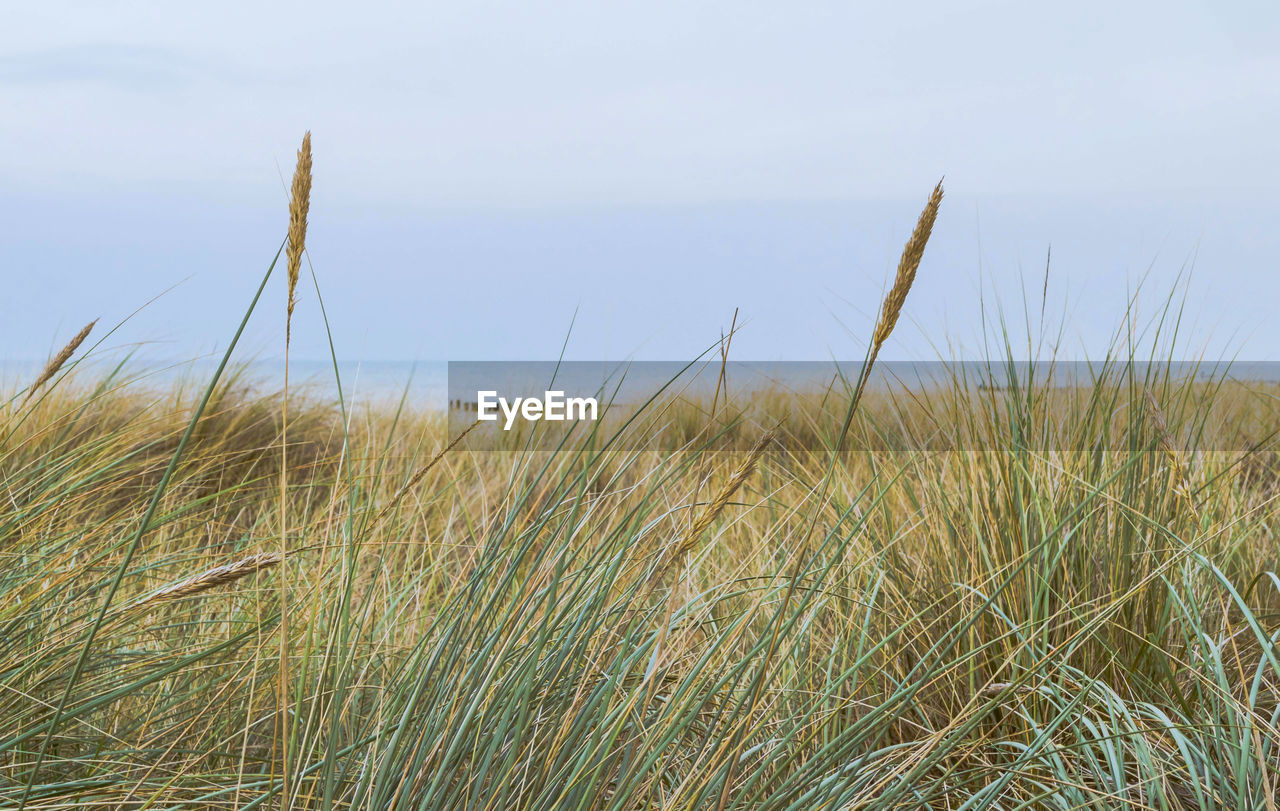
195, 613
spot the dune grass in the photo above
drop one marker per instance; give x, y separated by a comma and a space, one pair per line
994, 625
997, 626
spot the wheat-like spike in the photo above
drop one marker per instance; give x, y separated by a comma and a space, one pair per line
717, 505
217, 576
995, 688
299, 206
912, 253
1177, 469
64, 354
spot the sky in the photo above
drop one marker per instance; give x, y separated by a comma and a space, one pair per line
493, 179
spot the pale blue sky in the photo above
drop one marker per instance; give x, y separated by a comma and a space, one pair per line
484, 168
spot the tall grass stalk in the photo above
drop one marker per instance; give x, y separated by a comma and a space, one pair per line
299, 207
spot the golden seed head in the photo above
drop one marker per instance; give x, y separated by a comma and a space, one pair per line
299, 205
907, 266
55, 363
217, 576
739, 477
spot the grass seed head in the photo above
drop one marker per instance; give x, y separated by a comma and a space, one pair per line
739, 477
55, 363
217, 576
299, 206
907, 266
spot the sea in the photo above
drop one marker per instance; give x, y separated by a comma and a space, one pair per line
421, 384
440, 385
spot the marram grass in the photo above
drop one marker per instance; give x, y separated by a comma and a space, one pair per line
299, 207
989, 625
997, 627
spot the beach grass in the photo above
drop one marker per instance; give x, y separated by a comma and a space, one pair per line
195, 613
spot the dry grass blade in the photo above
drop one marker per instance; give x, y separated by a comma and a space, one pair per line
211, 579
55, 363
423, 471
299, 206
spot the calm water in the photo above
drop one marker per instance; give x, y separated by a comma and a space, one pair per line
433, 384
423, 384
